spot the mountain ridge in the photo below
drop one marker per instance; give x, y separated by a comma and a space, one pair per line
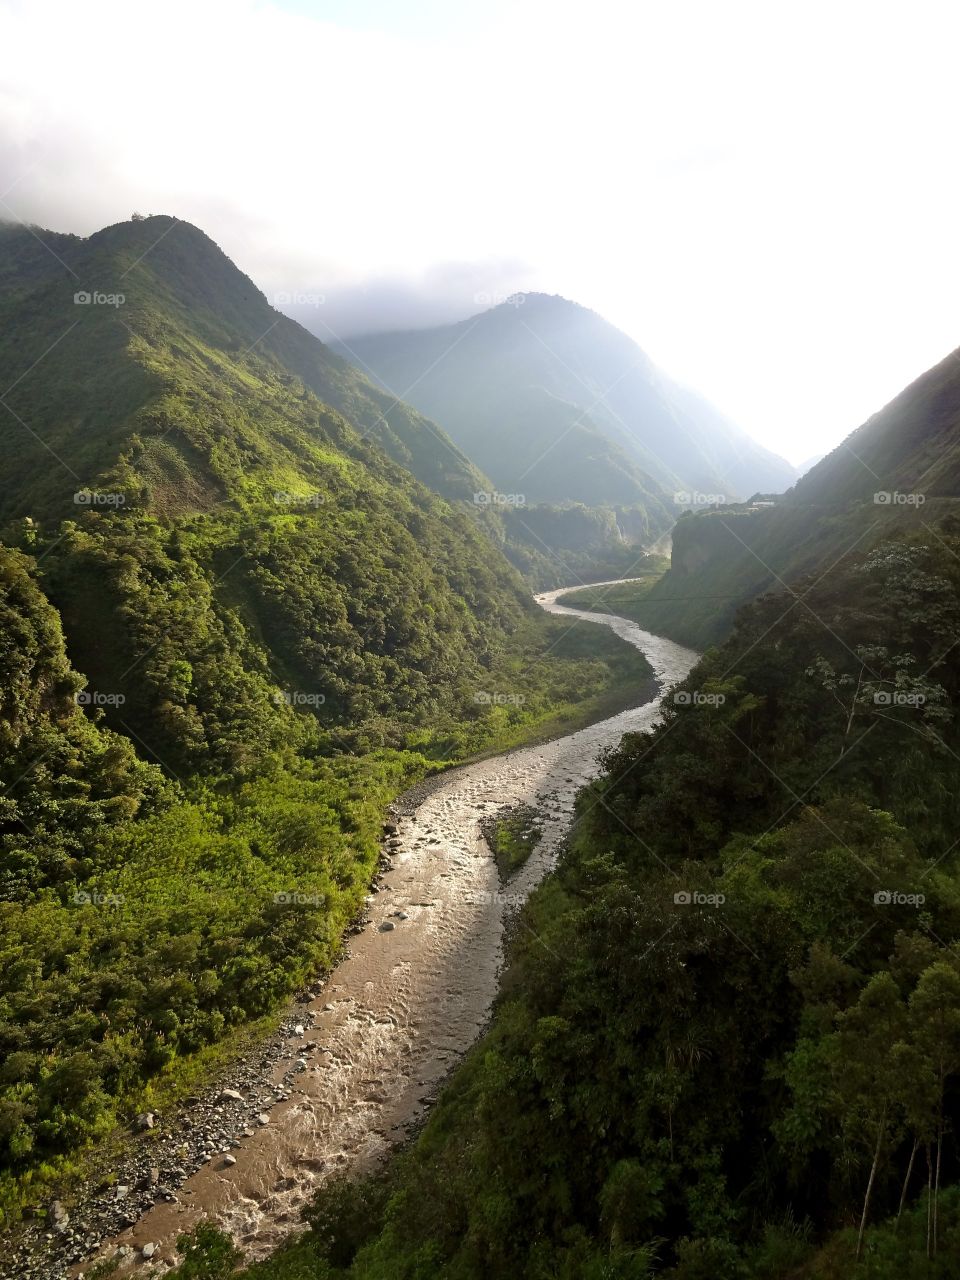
898, 471
561, 347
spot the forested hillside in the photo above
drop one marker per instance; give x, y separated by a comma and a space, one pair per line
234, 627
900, 470
544, 390
559, 407
727, 1044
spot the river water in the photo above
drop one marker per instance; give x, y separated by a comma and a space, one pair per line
406, 1002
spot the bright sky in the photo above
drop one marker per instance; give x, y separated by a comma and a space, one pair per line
765, 196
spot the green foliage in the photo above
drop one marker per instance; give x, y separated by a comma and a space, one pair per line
620, 598
273, 628
207, 1255
728, 1032
512, 837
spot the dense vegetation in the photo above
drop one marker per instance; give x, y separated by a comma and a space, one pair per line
512, 836
620, 598
563, 411
232, 628
553, 546
728, 1041
900, 470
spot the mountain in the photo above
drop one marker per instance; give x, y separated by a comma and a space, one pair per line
170, 277
173, 280
234, 625
809, 463
899, 470
727, 1039
552, 401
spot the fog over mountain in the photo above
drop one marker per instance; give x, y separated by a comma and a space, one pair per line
545, 395
623, 161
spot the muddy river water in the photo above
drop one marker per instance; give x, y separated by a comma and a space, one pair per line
373, 1047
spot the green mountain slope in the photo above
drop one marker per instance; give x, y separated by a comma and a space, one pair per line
544, 394
727, 1043
233, 628
728, 1031
900, 470
178, 287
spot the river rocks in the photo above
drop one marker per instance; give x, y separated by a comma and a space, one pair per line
57, 1215
230, 1095
298, 1029
263, 1118
387, 926
229, 1160
148, 1250
145, 1120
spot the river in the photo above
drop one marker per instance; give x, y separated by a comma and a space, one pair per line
357, 1066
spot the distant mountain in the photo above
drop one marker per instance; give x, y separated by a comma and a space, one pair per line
105, 368
900, 469
809, 463
552, 401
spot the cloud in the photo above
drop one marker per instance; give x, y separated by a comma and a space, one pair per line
442, 295
761, 197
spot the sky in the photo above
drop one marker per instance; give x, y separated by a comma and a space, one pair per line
765, 196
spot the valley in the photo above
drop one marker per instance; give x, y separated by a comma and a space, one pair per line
406, 870
360, 1057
